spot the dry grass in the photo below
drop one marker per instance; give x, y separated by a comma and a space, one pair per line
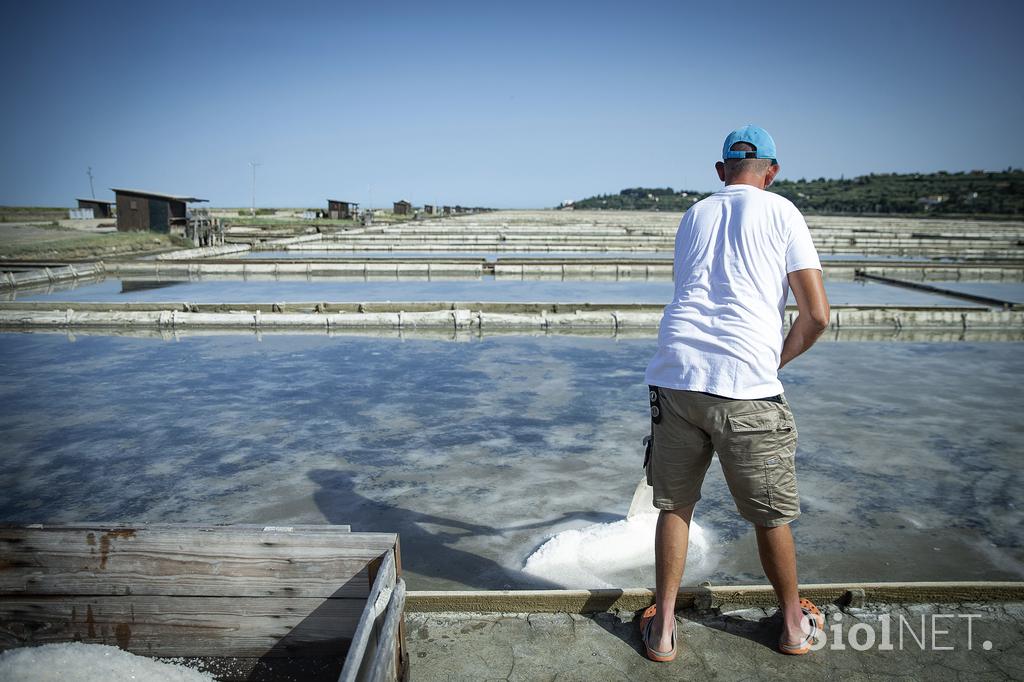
22, 214
35, 244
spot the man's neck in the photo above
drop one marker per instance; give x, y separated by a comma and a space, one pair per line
753, 182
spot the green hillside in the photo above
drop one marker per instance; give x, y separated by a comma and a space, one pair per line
977, 193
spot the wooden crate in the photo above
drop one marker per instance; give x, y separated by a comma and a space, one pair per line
253, 602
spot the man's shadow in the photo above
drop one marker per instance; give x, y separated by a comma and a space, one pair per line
765, 630
430, 553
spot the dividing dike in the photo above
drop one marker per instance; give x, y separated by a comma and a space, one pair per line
455, 316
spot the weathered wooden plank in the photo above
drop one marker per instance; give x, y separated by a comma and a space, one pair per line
249, 592
176, 560
347, 578
387, 659
185, 626
360, 654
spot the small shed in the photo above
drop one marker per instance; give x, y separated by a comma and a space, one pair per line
100, 209
154, 211
428, 209
341, 210
402, 207
447, 210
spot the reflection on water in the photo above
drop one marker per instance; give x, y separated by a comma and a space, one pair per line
434, 255
130, 285
479, 452
483, 289
881, 257
1004, 291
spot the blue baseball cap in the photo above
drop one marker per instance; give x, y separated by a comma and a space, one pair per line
752, 135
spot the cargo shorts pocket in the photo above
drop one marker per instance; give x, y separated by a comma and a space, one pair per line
780, 484
770, 432
754, 422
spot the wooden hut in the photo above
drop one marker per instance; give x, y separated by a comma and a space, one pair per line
100, 209
139, 210
402, 207
341, 210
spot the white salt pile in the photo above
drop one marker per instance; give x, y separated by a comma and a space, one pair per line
617, 554
77, 662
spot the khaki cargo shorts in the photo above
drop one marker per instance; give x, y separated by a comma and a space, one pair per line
756, 445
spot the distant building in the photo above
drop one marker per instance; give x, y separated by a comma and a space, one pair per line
447, 210
402, 207
138, 210
341, 210
100, 209
930, 201
428, 209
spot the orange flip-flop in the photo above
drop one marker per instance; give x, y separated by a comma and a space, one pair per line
816, 621
645, 634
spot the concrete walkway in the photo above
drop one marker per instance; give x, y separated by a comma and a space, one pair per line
731, 643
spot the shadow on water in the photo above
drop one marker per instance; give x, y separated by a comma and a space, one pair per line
429, 552
309, 650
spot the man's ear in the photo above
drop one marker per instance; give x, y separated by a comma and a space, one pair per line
769, 178
720, 167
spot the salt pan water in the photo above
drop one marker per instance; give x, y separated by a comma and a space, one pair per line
481, 452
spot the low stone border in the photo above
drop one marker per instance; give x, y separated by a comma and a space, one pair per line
48, 275
634, 599
502, 316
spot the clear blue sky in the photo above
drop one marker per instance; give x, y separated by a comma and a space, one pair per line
515, 104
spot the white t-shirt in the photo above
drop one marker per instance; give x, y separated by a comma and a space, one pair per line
722, 333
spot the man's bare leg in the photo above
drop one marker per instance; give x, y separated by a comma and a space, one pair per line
670, 542
778, 558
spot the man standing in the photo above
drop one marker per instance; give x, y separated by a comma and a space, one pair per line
714, 379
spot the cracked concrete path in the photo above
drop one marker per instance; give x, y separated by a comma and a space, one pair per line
928, 642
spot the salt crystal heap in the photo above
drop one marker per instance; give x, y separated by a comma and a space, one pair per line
77, 662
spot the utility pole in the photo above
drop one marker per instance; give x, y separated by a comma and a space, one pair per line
254, 164
91, 190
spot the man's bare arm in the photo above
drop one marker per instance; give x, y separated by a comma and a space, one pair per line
813, 316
